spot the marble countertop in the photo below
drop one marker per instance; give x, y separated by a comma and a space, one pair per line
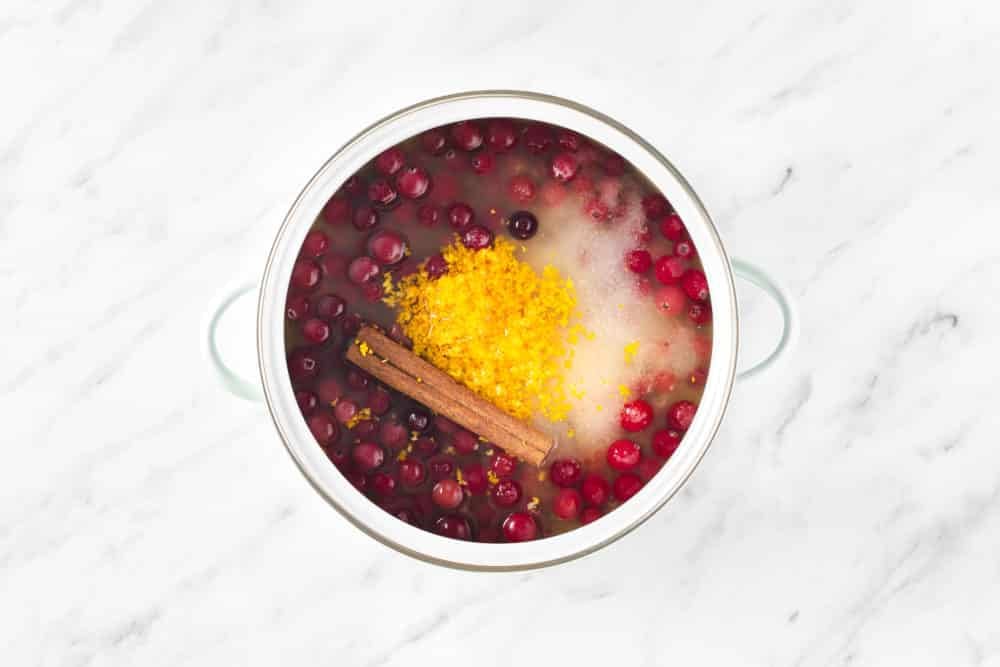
849, 511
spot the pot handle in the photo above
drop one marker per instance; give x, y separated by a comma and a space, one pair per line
230, 379
780, 296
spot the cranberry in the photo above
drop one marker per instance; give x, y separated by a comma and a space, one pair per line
475, 479
412, 473
337, 210
428, 215
364, 429
365, 217
436, 266
670, 300
503, 464
477, 237
302, 365
307, 401
481, 163
672, 227
323, 428
597, 210
500, 135
519, 527
665, 442
465, 442
351, 324
329, 389
522, 225
638, 261
589, 515
681, 414
506, 493
454, 527
381, 193
564, 167
378, 401
387, 247
345, 411
636, 415
305, 274
392, 434
296, 307
434, 141
447, 494
522, 188
655, 206
700, 313
390, 161
315, 330
684, 248
383, 483
357, 379
352, 185
626, 486
407, 514
623, 454
413, 182
338, 455
316, 243
441, 468
467, 135
595, 490
362, 270
565, 472
418, 420
460, 215
537, 137
367, 456
330, 307
567, 504
569, 140
357, 479
425, 447
445, 426
668, 269
694, 285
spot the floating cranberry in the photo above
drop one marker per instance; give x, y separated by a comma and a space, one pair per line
475, 480
670, 300
481, 163
595, 490
506, 493
365, 217
364, 429
684, 248
381, 193
378, 401
412, 473
323, 428
337, 210
418, 420
367, 456
565, 472
413, 182
694, 285
522, 225
372, 292
681, 414
316, 243
467, 135
521, 188
500, 135
567, 504
669, 269
345, 411
330, 307
307, 401
454, 527
519, 527
302, 365
358, 379
315, 330
358, 479
339, 455
392, 434
477, 237
390, 161
503, 464
672, 227
597, 210
305, 274
428, 215
665, 442
425, 447
636, 415
387, 247
329, 389
434, 141
296, 308
537, 137
460, 215
623, 454
465, 442
436, 266
638, 261
655, 206
589, 515
626, 486
700, 313
447, 494
383, 483
362, 270
352, 185
564, 167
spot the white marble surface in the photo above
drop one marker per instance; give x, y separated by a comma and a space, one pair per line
849, 511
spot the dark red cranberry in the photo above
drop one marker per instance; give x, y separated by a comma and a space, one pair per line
296, 308
337, 210
460, 215
684, 248
387, 247
425, 447
436, 265
567, 504
383, 483
378, 401
537, 137
681, 414
352, 186
672, 227
418, 420
441, 468
413, 182
500, 134
454, 527
700, 313
595, 490
519, 527
447, 494
522, 225
307, 401
695, 285
412, 473
330, 307
305, 274
365, 217
669, 269
316, 243
626, 486
408, 514
665, 442
636, 415
358, 479
467, 135
655, 206
315, 330
358, 380
345, 410
565, 472
390, 161
623, 454
589, 515
477, 237
302, 365
506, 493
465, 442
521, 188
434, 141
569, 140
392, 434
362, 270
367, 456
428, 215
351, 324
329, 389
503, 464
564, 167
339, 455
364, 429
372, 292
475, 480
381, 193
638, 261
481, 163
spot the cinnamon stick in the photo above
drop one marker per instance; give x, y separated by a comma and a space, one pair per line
404, 371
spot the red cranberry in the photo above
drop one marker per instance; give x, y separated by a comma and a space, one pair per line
418, 420
460, 215
316, 243
408, 514
655, 206
519, 527
338, 455
500, 134
425, 447
626, 486
567, 504
589, 515
362, 270
465, 442
522, 188
381, 193
623, 454
671, 300
595, 490
390, 161
413, 182
475, 479
565, 472
412, 473
337, 210
330, 307
307, 401
503, 464
392, 434
352, 186
522, 225
638, 261
672, 227
467, 135
564, 167
434, 141
305, 274
454, 527
428, 215
636, 415
315, 330
481, 163
323, 428
537, 137
387, 247
665, 442
296, 308
364, 429
378, 401
357, 479
345, 411
477, 237
436, 266
447, 494
597, 210
365, 217
357, 379
367, 456
441, 468
302, 365
507, 493
694, 285
684, 248
700, 313
383, 483
668, 269
329, 390
681, 414
372, 292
